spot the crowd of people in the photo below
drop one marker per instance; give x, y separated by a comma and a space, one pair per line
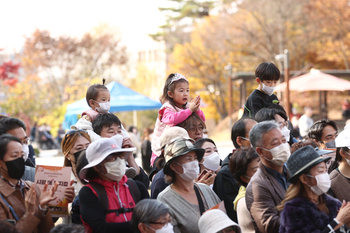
271, 182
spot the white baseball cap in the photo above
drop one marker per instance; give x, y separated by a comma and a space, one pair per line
99, 149
343, 139
215, 220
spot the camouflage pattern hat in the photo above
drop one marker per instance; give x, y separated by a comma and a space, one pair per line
178, 147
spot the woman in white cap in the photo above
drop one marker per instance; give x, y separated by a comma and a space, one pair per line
187, 200
340, 168
107, 201
307, 207
216, 221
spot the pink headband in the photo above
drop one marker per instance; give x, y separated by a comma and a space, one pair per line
176, 77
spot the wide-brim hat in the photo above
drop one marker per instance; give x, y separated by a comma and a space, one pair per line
99, 149
343, 139
178, 147
302, 160
215, 220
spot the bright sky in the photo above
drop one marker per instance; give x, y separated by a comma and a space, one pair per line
134, 18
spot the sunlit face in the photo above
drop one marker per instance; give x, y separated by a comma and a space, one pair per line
20, 134
103, 96
80, 144
253, 167
180, 94
316, 170
108, 132
271, 139
280, 121
328, 134
248, 126
209, 148
270, 83
191, 156
196, 131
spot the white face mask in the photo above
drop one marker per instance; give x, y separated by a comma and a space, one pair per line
286, 133
25, 149
323, 184
115, 169
280, 154
190, 170
212, 161
104, 107
166, 229
267, 90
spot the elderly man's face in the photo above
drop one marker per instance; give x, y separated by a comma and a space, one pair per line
270, 140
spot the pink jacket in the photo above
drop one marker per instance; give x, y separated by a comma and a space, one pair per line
168, 116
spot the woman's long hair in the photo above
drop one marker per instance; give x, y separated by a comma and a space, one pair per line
297, 189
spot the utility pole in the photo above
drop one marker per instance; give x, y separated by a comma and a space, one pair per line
229, 84
285, 58
286, 79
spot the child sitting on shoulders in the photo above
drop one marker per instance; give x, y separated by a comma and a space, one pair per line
98, 98
175, 108
267, 76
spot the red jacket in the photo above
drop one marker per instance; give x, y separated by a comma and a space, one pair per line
119, 196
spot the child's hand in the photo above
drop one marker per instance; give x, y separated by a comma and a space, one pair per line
193, 106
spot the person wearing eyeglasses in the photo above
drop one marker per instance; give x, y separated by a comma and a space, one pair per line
151, 216
21, 202
307, 207
17, 128
194, 125
108, 199
276, 112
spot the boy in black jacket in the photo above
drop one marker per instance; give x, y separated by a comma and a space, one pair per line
267, 76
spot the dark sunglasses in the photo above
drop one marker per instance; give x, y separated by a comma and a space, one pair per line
73, 131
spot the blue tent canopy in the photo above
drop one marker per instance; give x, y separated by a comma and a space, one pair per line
122, 99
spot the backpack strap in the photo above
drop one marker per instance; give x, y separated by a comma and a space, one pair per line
134, 190
10, 207
101, 194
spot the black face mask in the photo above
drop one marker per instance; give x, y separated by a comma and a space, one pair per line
15, 168
76, 156
330, 144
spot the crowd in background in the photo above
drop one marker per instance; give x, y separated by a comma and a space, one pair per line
282, 175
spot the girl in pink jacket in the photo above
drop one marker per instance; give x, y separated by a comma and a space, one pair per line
175, 109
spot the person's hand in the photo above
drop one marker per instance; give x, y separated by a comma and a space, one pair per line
205, 180
194, 104
30, 200
127, 143
344, 213
69, 193
48, 195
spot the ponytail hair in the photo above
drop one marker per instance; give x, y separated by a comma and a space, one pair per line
92, 91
